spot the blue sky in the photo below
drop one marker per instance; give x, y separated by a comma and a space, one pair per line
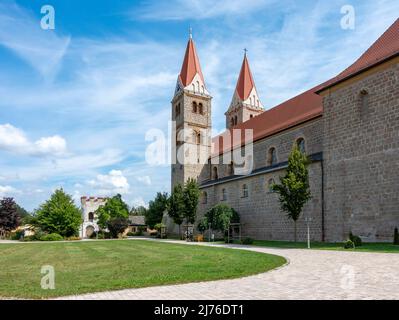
76, 102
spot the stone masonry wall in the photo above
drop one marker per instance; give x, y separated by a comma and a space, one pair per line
260, 213
361, 153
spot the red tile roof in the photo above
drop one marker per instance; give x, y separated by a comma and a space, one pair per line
384, 48
191, 65
303, 107
308, 105
245, 81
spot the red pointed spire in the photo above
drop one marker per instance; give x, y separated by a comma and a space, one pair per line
245, 81
191, 65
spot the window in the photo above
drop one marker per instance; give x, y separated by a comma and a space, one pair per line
198, 86
204, 198
177, 109
91, 216
270, 183
215, 173
235, 120
224, 195
200, 108
230, 170
232, 121
244, 191
198, 138
203, 89
193, 87
301, 144
194, 107
272, 157
251, 116
364, 102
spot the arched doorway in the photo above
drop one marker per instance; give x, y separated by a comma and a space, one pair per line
89, 231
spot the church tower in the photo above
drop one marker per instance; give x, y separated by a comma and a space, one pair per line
245, 103
191, 114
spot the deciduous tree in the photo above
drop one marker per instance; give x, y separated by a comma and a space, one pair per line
156, 209
9, 217
176, 208
115, 207
294, 189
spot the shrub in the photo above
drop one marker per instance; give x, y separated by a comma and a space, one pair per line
52, 237
226, 240
117, 226
355, 239
35, 237
349, 244
247, 240
101, 235
29, 238
396, 237
17, 235
73, 238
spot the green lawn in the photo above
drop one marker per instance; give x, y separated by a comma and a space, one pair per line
82, 267
367, 247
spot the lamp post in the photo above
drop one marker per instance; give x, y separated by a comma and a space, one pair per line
308, 220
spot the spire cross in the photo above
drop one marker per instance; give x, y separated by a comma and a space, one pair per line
190, 32
245, 51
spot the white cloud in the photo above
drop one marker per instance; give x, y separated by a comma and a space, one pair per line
198, 9
7, 190
14, 140
139, 202
54, 145
21, 33
146, 180
111, 183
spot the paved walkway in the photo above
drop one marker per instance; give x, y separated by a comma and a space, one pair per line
309, 274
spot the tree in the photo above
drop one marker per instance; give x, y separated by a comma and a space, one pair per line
191, 194
220, 216
26, 217
156, 209
294, 189
117, 226
115, 207
176, 208
59, 215
139, 211
9, 218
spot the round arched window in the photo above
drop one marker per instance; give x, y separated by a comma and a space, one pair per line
301, 144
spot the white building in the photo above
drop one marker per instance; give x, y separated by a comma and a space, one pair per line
89, 207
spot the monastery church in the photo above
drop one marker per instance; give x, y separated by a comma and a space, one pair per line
348, 126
